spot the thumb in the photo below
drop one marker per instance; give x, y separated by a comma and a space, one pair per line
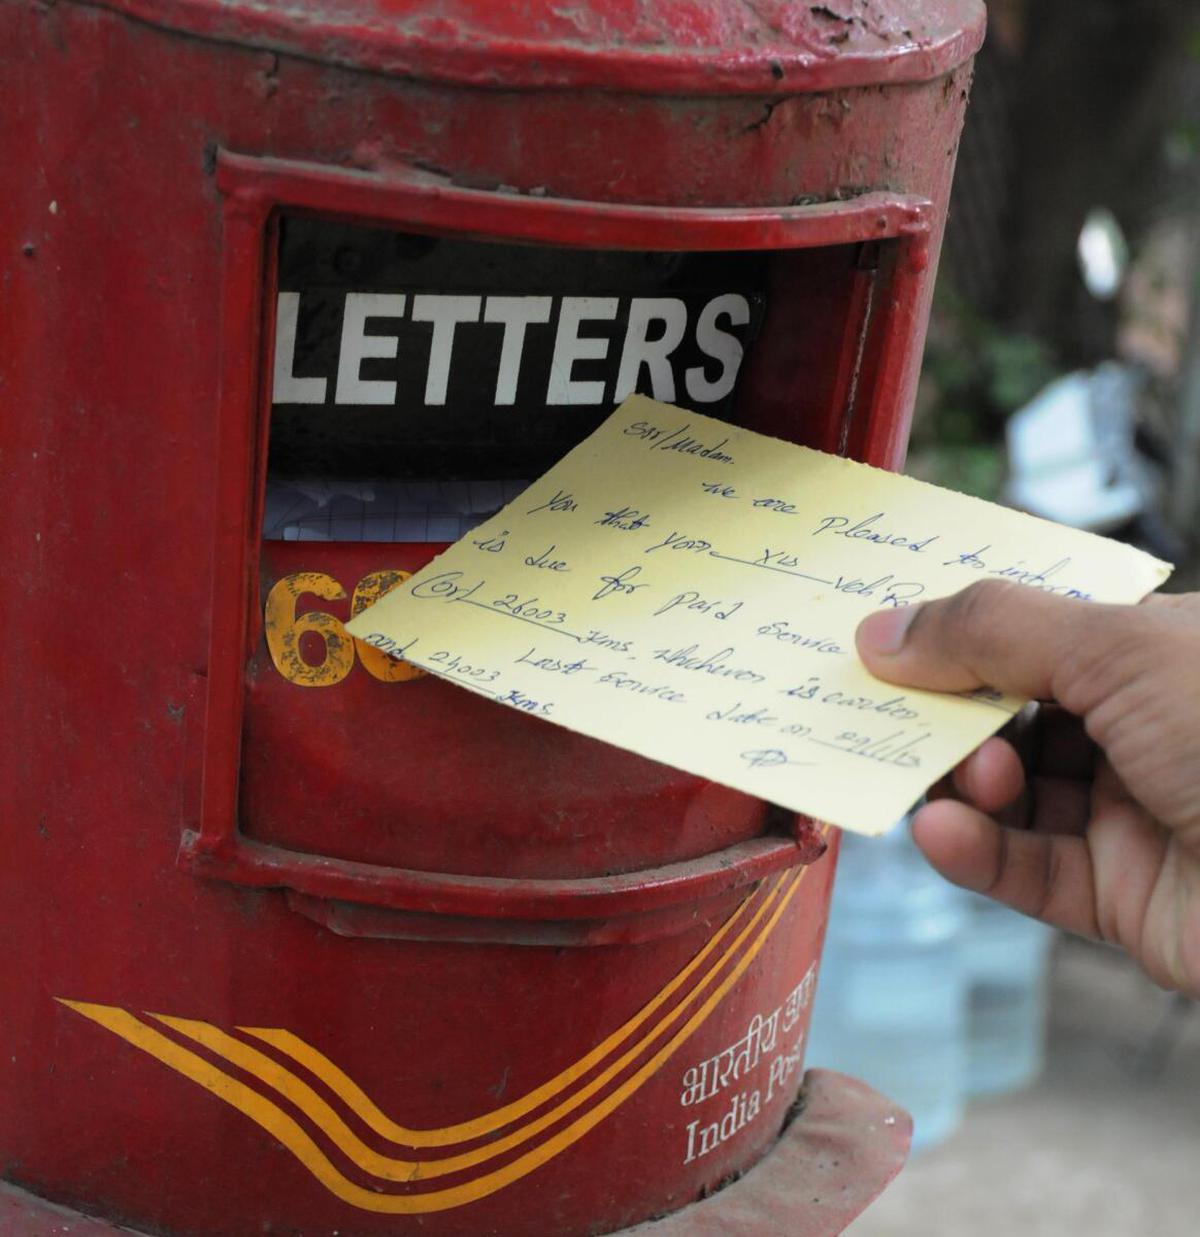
994, 634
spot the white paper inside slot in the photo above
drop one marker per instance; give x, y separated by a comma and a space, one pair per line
416, 511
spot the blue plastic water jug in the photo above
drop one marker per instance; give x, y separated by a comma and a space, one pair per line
890, 1005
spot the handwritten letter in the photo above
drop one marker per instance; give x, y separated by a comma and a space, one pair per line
689, 591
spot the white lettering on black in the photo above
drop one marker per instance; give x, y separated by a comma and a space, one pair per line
357, 346
288, 389
569, 347
445, 312
658, 331
516, 313
720, 345
655, 354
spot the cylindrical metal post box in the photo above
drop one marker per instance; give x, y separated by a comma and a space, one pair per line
303, 941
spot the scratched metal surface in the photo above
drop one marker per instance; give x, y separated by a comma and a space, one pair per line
764, 47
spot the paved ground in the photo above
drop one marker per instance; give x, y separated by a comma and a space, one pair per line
1107, 1144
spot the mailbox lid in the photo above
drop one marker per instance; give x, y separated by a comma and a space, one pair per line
703, 47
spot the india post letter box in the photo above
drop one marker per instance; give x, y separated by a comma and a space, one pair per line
309, 941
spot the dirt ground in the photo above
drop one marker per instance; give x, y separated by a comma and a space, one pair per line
1105, 1144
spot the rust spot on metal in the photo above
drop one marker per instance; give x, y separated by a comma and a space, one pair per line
267, 79
502, 1086
367, 155
823, 10
810, 841
834, 108
768, 108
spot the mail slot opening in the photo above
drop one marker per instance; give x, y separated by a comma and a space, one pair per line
419, 383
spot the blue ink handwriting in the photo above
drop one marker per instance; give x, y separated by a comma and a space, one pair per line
658, 439
741, 716
776, 504
527, 704
895, 597
445, 586
773, 758
623, 682
681, 541
692, 600
452, 663
689, 658
627, 519
560, 502
492, 545
544, 562
902, 754
865, 530
385, 644
813, 689
603, 640
555, 665
781, 630
618, 584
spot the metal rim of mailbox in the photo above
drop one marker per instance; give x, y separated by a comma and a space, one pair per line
254, 192
508, 54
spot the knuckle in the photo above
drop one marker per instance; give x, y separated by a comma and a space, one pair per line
974, 606
1001, 865
1049, 887
1108, 650
968, 619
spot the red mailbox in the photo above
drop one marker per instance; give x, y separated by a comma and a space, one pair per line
303, 941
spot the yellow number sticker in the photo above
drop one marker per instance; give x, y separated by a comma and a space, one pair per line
284, 627
376, 662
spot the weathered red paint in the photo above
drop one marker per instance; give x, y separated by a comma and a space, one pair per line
771, 47
185, 834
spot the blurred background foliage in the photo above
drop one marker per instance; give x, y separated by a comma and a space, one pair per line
1077, 106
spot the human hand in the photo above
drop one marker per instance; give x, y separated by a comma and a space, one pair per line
1111, 792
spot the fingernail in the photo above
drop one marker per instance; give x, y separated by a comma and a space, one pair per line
884, 631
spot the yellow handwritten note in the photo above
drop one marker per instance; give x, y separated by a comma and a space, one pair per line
690, 591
